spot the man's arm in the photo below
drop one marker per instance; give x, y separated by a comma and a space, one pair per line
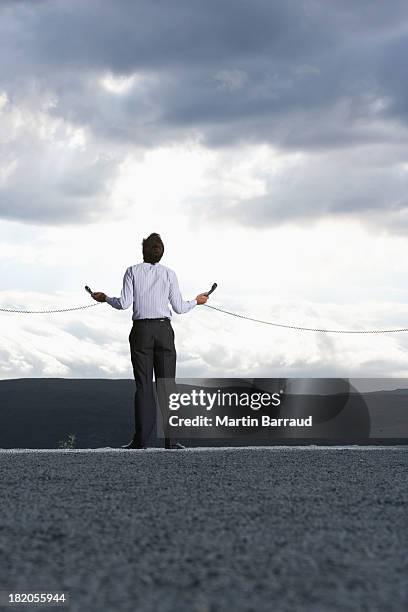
175, 298
126, 296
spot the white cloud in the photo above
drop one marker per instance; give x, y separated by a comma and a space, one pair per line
119, 84
334, 274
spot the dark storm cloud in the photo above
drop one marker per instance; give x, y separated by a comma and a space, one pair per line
311, 76
230, 69
126, 35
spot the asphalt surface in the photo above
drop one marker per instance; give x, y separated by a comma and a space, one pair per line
283, 529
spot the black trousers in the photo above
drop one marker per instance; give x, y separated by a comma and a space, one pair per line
151, 350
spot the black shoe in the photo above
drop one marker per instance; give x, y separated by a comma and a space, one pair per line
174, 446
132, 444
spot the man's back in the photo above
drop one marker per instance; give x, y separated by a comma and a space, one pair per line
150, 287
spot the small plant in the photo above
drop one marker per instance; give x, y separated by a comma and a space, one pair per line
68, 443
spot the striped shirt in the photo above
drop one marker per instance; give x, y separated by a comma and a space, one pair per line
150, 287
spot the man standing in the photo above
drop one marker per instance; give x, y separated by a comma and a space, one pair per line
150, 286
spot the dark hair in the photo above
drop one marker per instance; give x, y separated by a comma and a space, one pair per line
151, 254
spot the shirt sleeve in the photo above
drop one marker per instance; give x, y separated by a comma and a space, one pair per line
175, 298
126, 296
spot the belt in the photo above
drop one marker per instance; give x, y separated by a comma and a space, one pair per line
161, 319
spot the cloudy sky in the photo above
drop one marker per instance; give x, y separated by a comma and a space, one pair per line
267, 142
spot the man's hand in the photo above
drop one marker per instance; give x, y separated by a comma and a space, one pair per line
202, 298
98, 296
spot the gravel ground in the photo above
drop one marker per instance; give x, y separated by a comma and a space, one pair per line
283, 529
